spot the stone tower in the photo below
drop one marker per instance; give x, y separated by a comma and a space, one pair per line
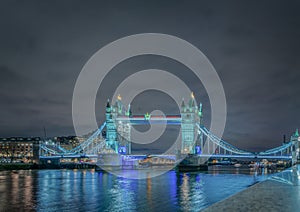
190, 115
295, 139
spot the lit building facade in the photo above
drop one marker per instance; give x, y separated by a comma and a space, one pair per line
19, 149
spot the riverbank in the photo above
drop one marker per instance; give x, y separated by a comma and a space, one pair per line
278, 193
17, 166
28, 166
216, 169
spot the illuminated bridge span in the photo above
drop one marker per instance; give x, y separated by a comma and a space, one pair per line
114, 136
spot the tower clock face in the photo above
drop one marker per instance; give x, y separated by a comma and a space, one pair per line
299, 138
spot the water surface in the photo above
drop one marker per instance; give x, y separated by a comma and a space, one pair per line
87, 190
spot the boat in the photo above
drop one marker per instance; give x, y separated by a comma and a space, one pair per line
237, 165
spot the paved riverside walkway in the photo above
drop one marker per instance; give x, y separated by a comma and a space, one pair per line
278, 193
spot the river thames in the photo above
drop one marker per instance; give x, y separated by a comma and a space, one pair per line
87, 190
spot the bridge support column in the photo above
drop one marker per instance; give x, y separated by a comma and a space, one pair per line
201, 142
188, 127
111, 130
118, 135
295, 139
190, 115
124, 137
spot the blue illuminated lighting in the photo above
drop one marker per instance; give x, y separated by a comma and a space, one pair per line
198, 150
119, 121
122, 150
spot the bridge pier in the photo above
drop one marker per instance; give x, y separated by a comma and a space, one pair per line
109, 162
191, 162
51, 163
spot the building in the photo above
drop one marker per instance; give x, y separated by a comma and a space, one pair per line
68, 142
19, 149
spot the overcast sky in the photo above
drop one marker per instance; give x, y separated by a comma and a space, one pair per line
253, 45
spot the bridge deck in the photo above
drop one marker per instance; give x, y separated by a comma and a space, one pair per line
283, 157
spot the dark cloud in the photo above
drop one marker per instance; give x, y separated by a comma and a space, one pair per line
253, 45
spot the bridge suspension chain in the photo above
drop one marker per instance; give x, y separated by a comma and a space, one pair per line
80, 148
220, 142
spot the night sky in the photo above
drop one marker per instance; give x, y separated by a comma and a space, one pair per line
253, 45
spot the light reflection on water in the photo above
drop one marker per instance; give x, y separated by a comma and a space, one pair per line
87, 190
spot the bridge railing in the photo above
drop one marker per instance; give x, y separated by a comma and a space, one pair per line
276, 149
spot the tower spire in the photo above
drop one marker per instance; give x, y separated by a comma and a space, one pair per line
119, 97
182, 103
200, 109
192, 95
128, 112
297, 133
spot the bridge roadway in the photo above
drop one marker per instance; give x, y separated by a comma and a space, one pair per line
173, 157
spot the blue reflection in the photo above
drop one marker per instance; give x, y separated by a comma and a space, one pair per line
198, 150
122, 149
86, 190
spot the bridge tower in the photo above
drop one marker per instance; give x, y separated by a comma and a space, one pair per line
111, 130
295, 139
118, 127
190, 115
123, 127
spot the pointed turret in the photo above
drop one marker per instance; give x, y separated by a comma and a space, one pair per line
200, 110
128, 112
119, 97
296, 133
192, 95
108, 108
193, 103
182, 103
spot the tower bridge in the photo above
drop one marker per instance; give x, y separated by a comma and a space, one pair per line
114, 137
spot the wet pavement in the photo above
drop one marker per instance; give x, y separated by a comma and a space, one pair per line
280, 192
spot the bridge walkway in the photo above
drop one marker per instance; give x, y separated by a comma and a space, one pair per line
278, 193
